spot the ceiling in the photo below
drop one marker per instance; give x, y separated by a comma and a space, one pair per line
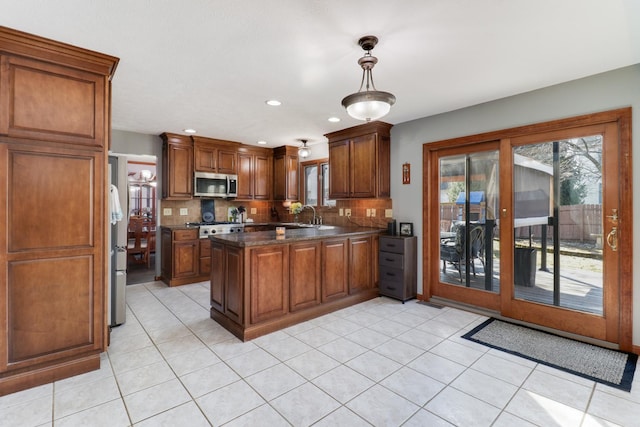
212, 64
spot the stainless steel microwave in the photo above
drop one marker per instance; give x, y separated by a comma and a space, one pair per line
215, 185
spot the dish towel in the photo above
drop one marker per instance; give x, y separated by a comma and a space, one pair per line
114, 204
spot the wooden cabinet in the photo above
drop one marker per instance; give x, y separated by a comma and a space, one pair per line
254, 173
182, 262
215, 155
305, 262
54, 126
335, 274
360, 162
205, 257
269, 283
285, 173
398, 267
177, 167
226, 282
361, 262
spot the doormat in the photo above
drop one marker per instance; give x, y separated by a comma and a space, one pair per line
611, 367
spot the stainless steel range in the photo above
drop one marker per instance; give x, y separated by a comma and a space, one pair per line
206, 229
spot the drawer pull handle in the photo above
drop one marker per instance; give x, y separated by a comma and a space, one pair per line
391, 246
389, 259
391, 288
390, 274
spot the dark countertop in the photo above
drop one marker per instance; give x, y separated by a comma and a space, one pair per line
264, 238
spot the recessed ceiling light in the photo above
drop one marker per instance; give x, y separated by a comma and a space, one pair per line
334, 119
189, 131
262, 142
273, 102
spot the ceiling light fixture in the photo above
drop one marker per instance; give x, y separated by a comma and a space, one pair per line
262, 142
273, 102
189, 130
369, 104
334, 119
304, 150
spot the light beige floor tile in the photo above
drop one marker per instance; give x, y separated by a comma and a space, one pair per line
593, 421
187, 414
437, 367
373, 365
232, 348
129, 343
506, 419
208, 379
144, 377
425, 418
461, 409
287, 348
368, 338
342, 417
33, 412
263, 415
342, 349
568, 376
254, 361
305, 405
275, 381
105, 371
312, 364
364, 318
84, 396
456, 317
399, 351
229, 402
542, 411
155, 400
413, 386
382, 407
512, 358
437, 328
317, 336
485, 387
421, 339
343, 383
184, 364
457, 352
390, 328
559, 389
24, 396
135, 359
409, 319
272, 338
168, 334
180, 346
110, 414
613, 408
513, 373
341, 326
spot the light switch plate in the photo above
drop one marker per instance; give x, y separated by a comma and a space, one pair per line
341, 212
254, 211
368, 212
167, 212
347, 212
373, 212
388, 213
184, 211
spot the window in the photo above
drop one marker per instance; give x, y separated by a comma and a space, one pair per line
315, 183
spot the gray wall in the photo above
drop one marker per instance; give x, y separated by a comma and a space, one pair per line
607, 91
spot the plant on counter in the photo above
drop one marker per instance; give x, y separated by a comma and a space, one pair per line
295, 208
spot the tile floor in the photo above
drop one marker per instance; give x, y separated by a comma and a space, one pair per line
377, 363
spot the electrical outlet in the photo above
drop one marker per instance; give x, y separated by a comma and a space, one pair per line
184, 211
341, 212
254, 211
167, 212
373, 212
368, 212
347, 212
388, 213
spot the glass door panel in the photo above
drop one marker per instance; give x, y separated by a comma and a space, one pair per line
311, 185
557, 196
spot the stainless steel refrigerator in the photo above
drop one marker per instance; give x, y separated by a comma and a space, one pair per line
118, 243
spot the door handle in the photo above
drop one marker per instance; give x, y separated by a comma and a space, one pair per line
612, 239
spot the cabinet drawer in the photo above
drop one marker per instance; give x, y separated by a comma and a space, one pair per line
390, 244
205, 248
392, 289
390, 274
185, 234
390, 259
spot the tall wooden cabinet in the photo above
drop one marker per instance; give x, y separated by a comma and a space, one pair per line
177, 167
54, 132
285, 173
360, 162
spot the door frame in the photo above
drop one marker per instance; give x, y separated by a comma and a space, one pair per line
430, 219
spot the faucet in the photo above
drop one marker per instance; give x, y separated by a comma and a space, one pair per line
314, 212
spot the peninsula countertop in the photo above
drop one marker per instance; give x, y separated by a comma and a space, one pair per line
263, 238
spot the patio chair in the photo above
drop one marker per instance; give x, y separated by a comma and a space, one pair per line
453, 250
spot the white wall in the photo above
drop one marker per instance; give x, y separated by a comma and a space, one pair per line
607, 91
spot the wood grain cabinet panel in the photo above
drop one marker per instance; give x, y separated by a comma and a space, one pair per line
361, 263
335, 275
218, 263
285, 173
254, 173
305, 273
269, 283
234, 284
177, 167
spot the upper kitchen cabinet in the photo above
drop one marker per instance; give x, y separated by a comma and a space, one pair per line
216, 156
177, 167
254, 173
285, 173
48, 95
54, 130
360, 162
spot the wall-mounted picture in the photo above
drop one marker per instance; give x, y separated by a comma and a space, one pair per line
406, 229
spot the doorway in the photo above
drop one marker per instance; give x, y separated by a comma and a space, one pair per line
528, 223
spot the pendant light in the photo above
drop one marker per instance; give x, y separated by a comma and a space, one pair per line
304, 150
369, 104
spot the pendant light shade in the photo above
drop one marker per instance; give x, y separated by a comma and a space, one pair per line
368, 104
304, 150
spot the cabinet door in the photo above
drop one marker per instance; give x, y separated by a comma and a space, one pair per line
185, 259
217, 276
46, 102
166, 246
305, 272
245, 179
269, 283
335, 255
179, 172
360, 264
262, 178
339, 170
227, 161
205, 158
234, 284
363, 166
205, 257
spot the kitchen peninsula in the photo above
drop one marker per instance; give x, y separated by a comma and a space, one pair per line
262, 282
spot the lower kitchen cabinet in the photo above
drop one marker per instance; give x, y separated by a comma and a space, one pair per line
397, 263
182, 261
